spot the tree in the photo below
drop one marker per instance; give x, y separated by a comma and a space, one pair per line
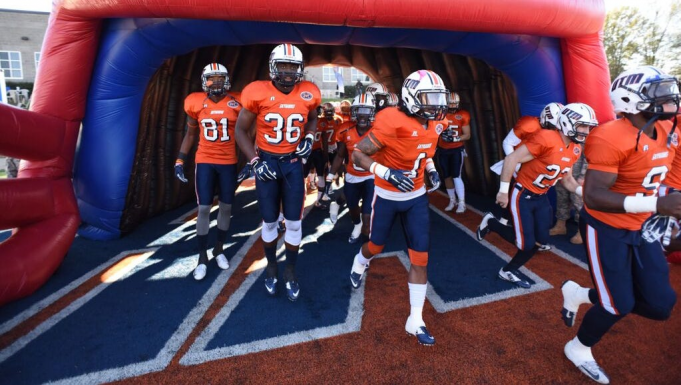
620, 37
657, 39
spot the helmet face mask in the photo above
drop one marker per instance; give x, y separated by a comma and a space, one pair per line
328, 110
345, 107
215, 79
363, 110
549, 115
424, 95
286, 65
646, 90
575, 116
453, 103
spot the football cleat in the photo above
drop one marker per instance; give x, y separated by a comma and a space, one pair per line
513, 277
222, 261
570, 302
450, 206
483, 227
356, 233
588, 366
461, 208
271, 285
292, 290
200, 271
541, 247
356, 279
420, 332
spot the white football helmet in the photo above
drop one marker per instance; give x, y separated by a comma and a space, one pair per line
380, 93
363, 109
645, 89
393, 100
549, 115
453, 103
424, 95
573, 115
286, 53
215, 87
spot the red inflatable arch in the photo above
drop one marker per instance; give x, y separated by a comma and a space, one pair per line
41, 207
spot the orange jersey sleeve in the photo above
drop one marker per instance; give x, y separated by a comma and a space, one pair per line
456, 122
552, 161
526, 127
612, 148
217, 142
673, 178
280, 118
405, 144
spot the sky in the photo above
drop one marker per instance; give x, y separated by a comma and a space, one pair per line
46, 5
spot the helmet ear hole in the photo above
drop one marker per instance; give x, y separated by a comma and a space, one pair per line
626, 99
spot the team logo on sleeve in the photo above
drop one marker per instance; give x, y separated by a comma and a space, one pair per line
438, 128
232, 104
458, 117
323, 124
306, 95
577, 150
675, 138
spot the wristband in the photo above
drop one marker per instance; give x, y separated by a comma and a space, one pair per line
579, 191
640, 204
182, 156
430, 166
379, 170
179, 161
504, 186
310, 136
255, 159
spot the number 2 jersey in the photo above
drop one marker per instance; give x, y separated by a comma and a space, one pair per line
281, 117
404, 145
552, 161
611, 148
217, 143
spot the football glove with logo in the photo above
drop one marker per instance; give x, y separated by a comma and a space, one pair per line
262, 170
244, 174
304, 148
434, 178
179, 170
399, 180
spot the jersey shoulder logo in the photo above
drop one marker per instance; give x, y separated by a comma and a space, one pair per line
577, 150
306, 95
232, 104
323, 124
438, 128
675, 138
458, 117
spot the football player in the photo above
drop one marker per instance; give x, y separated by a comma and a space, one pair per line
359, 183
404, 140
210, 116
627, 158
285, 113
451, 152
345, 110
324, 145
393, 100
547, 157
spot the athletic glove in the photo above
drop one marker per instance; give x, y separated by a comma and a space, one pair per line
262, 170
179, 170
304, 148
447, 136
244, 174
399, 180
434, 180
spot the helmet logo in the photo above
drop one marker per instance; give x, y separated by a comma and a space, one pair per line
574, 115
625, 81
411, 83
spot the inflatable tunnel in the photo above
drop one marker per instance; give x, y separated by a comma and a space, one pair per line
122, 67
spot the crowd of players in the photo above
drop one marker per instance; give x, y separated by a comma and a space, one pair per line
390, 150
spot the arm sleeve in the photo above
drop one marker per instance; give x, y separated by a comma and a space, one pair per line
537, 145
382, 131
189, 107
249, 98
509, 143
602, 154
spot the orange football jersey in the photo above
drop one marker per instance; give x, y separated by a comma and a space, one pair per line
552, 161
612, 148
673, 178
281, 118
350, 137
328, 129
217, 143
456, 122
525, 127
406, 144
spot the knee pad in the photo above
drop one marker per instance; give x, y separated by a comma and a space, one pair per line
269, 231
374, 248
224, 216
294, 234
203, 220
418, 258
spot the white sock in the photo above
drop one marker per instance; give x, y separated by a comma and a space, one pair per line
581, 351
281, 217
356, 230
360, 258
460, 189
450, 192
583, 295
417, 297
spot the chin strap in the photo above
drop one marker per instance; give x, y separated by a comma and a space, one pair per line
651, 121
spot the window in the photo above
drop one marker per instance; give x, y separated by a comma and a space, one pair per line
328, 75
36, 56
10, 64
357, 75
